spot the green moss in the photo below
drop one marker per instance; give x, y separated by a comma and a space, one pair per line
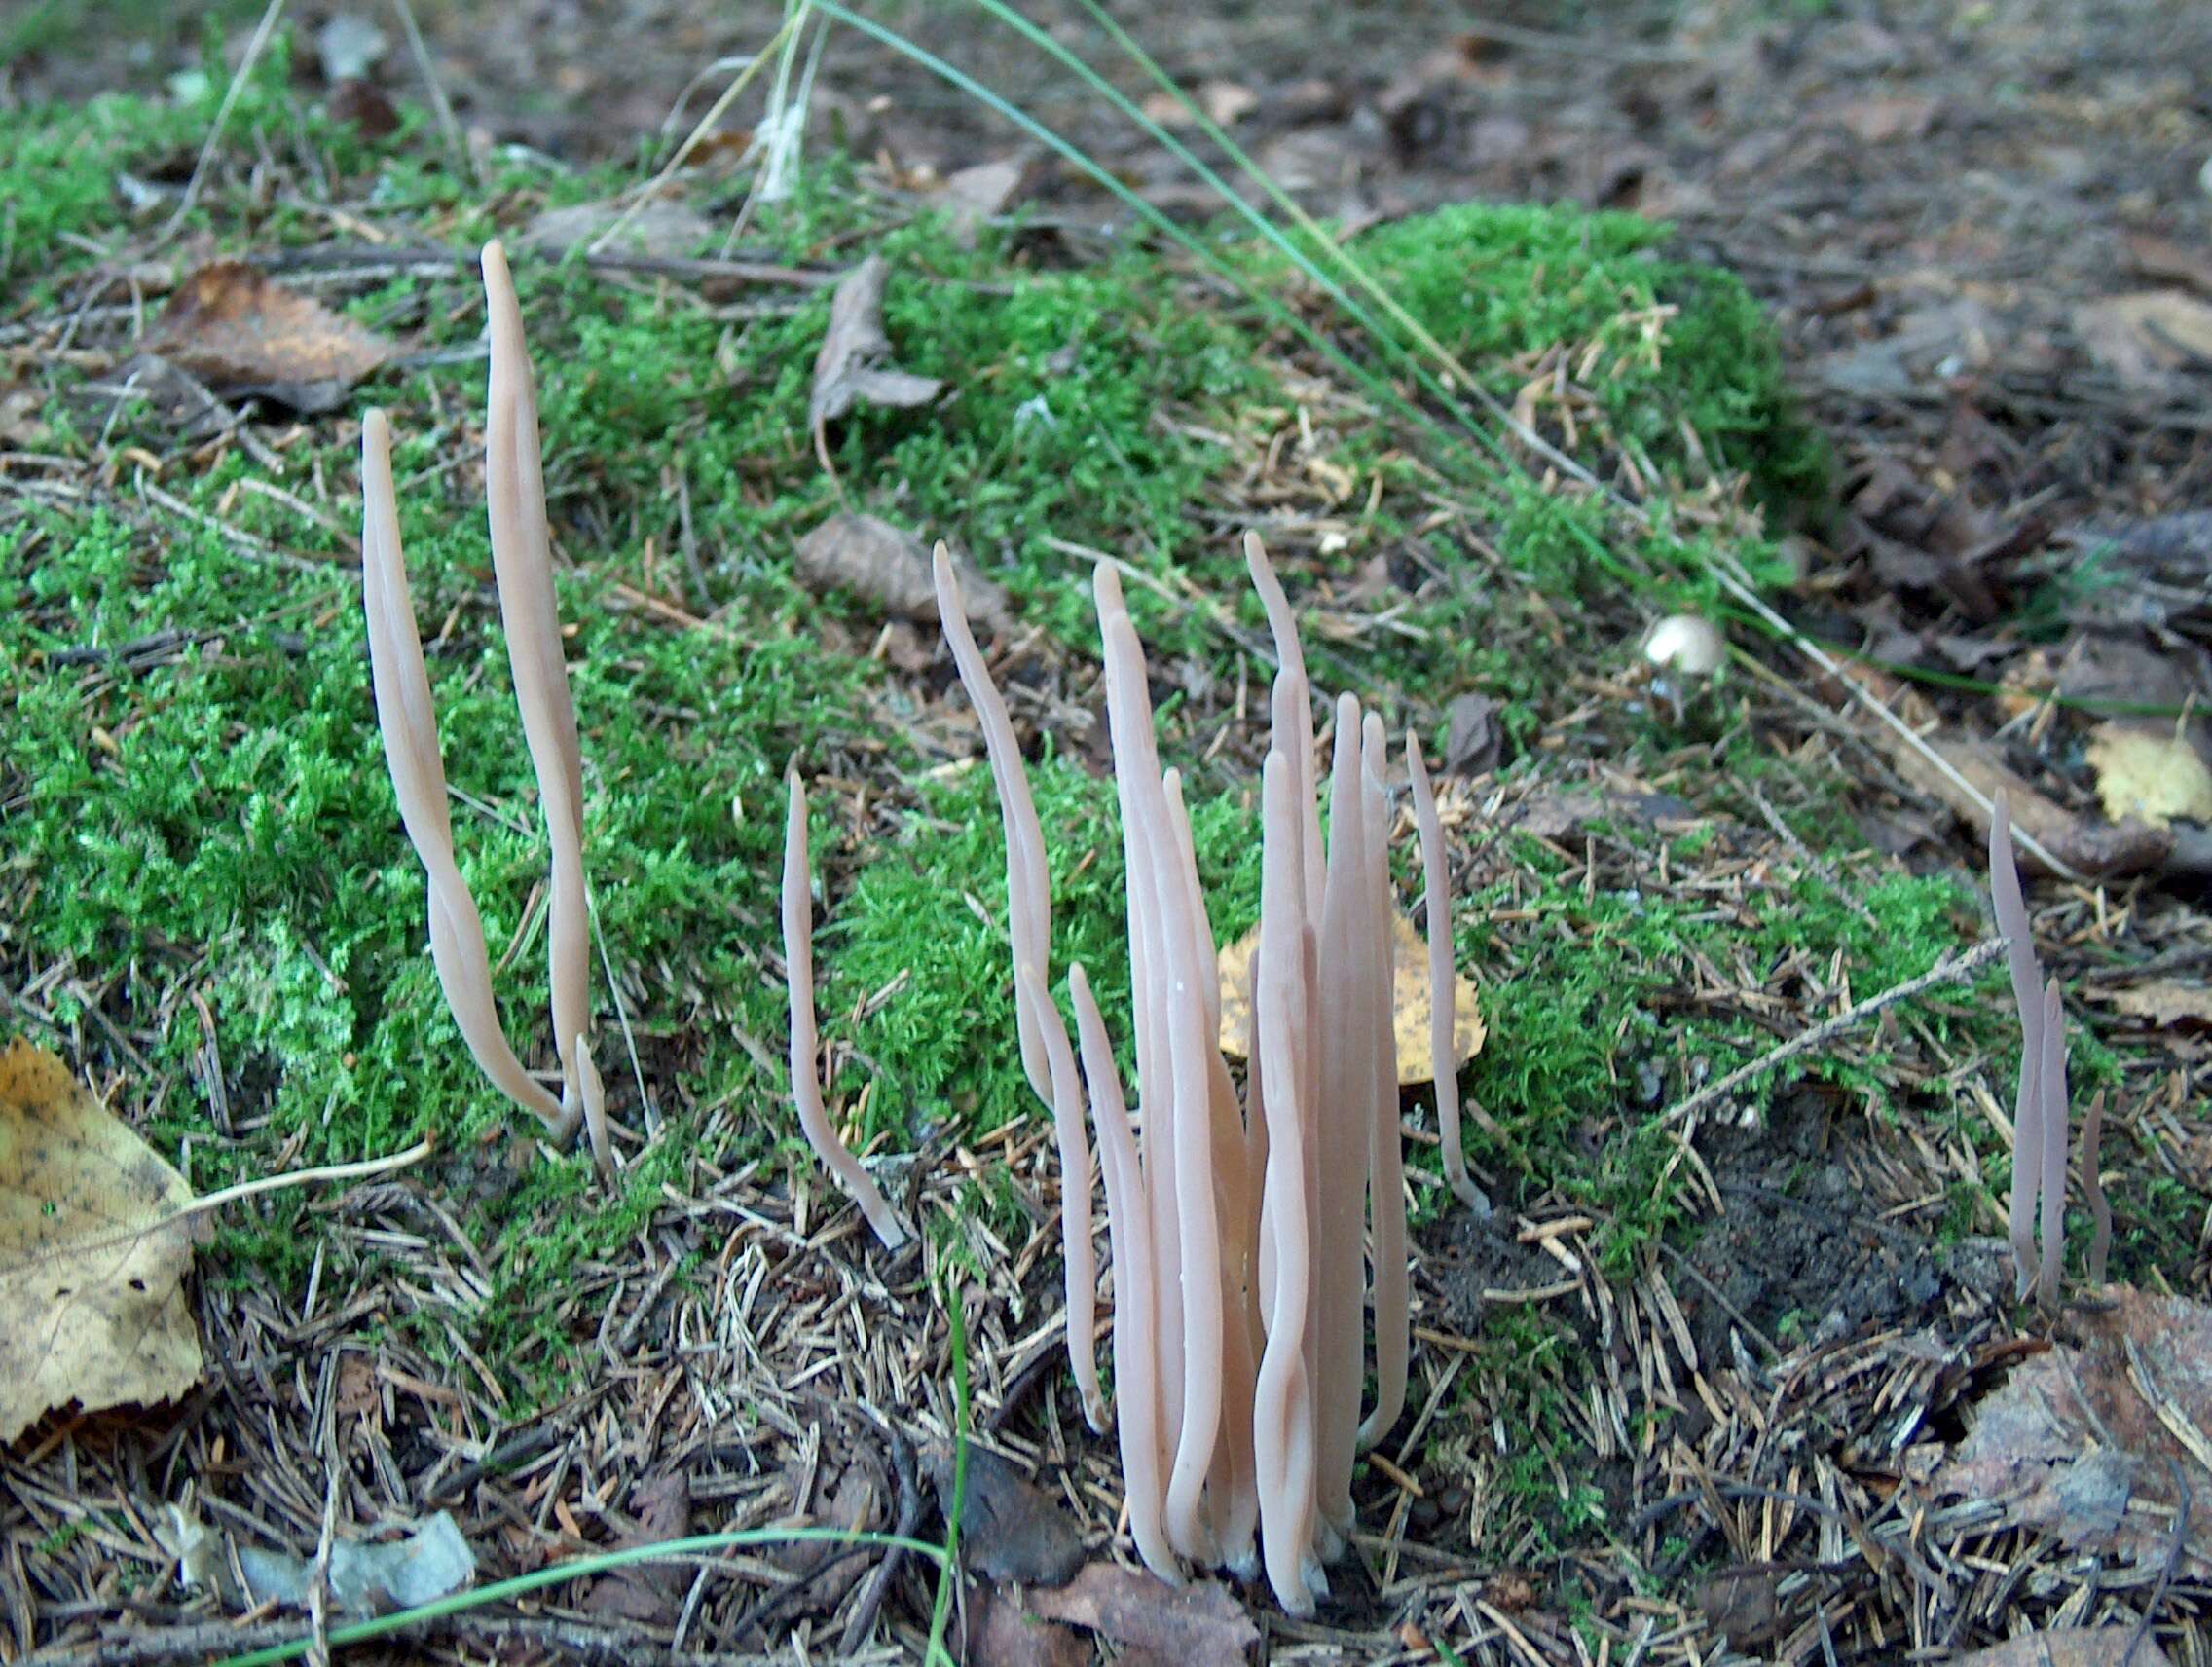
1545, 1500
929, 913
240, 840
62, 166
57, 176
1662, 343
1575, 1018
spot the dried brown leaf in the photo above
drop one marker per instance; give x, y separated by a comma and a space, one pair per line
2099, 1475
855, 360
2163, 1002
2145, 337
1003, 1631
1554, 813
1011, 1530
889, 568
1224, 102
1473, 740
242, 333
974, 194
364, 105
1744, 1604
93, 1255
648, 1593
660, 228
1884, 117
21, 425
1201, 1624
2163, 261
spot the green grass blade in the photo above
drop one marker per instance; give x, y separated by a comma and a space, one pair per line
500, 1591
948, 1564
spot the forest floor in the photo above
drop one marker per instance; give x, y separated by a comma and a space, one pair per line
1922, 356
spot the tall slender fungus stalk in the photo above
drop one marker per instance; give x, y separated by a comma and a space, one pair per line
806, 1079
2094, 1185
2040, 1121
1443, 1055
409, 725
1046, 1057
2010, 907
1236, 1225
522, 562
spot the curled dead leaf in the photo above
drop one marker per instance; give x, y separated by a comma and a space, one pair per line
1011, 1530
1879, 118
2073, 1646
973, 195
2163, 1002
2101, 1476
855, 360
1743, 1604
889, 567
1200, 1625
1224, 104
1474, 739
21, 425
2146, 336
660, 229
649, 1593
1004, 1631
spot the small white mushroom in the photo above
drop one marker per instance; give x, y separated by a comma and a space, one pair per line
1682, 645
1686, 644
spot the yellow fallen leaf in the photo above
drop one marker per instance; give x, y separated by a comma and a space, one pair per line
93, 1253
2149, 775
1409, 1002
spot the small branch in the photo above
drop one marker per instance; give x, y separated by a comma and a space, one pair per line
595, 1644
1949, 970
365, 1169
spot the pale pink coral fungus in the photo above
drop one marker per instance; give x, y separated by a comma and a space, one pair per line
1236, 1225
523, 565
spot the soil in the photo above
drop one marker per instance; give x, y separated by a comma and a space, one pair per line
1800, 1252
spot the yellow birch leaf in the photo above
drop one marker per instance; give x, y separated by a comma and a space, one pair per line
2150, 776
1409, 1002
93, 1253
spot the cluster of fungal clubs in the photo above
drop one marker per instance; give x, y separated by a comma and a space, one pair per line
2041, 1132
1236, 1223
521, 564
